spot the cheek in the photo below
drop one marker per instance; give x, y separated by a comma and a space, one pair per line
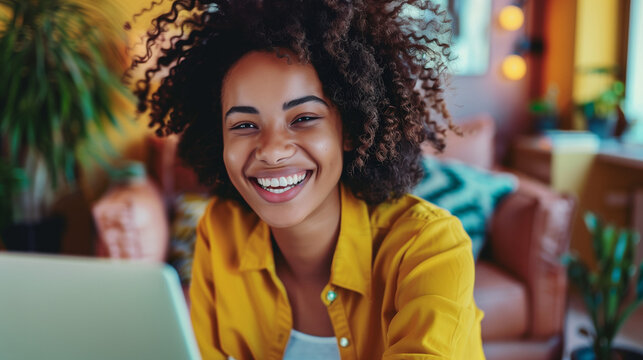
232, 160
329, 148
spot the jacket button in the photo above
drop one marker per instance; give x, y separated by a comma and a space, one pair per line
331, 296
343, 342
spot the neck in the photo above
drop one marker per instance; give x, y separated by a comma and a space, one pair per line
306, 250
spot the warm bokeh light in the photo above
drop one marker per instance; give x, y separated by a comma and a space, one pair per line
511, 18
514, 67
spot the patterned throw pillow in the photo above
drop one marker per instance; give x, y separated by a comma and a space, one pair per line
188, 210
469, 193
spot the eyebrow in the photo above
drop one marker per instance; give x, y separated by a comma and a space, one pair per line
286, 105
242, 109
301, 100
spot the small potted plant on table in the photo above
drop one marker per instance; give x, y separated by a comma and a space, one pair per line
606, 289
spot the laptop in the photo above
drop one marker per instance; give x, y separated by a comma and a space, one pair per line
63, 307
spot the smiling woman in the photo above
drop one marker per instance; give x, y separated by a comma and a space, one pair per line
279, 125
309, 134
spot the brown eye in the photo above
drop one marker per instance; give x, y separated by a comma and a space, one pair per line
243, 126
302, 119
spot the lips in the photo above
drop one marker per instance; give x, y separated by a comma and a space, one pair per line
280, 188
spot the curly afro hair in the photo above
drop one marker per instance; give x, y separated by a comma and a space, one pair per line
381, 66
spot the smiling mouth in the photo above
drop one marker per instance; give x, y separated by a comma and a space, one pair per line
281, 184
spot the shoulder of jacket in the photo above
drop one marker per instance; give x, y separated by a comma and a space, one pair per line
407, 208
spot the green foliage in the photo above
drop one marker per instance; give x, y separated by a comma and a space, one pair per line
606, 103
12, 179
59, 72
605, 288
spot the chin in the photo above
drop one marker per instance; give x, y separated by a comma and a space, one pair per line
279, 219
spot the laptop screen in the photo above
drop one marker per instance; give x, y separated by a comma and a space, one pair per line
60, 307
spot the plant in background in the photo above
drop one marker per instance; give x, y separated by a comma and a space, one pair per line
606, 104
606, 288
544, 110
602, 113
609, 100
12, 179
61, 66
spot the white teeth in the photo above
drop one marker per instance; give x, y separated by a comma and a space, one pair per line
283, 183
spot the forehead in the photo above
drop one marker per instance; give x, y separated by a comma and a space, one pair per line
263, 76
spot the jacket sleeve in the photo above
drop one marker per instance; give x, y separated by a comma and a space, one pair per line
436, 316
202, 310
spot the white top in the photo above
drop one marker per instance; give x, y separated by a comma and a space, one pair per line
308, 347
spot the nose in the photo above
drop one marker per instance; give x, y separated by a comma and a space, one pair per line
274, 146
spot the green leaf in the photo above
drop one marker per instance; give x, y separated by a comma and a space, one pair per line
618, 256
580, 276
627, 313
8, 116
15, 142
591, 221
78, 80
41, 76
612, 302
595, 229
65, 96
607, 238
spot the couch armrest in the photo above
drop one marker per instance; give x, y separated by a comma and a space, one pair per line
530, 231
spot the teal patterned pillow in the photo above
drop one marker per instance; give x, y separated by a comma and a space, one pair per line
469, 193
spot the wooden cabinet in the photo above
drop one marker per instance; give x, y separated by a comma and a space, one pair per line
564, 168
607, 181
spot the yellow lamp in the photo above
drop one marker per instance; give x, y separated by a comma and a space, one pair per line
514, 67
511, 18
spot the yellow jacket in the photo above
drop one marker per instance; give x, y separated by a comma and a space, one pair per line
401, 285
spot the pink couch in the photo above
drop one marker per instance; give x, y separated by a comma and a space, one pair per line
521, 286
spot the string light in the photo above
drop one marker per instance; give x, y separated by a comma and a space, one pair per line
514, 67
511, 18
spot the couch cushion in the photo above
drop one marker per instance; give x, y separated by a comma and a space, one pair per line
504, 302
475, 146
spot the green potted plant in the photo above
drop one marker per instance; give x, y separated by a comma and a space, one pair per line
543, 111
61, 66
606, 289
602, 113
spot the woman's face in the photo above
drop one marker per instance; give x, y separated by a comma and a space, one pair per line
282, 139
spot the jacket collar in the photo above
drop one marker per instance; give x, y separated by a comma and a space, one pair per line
351, 266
